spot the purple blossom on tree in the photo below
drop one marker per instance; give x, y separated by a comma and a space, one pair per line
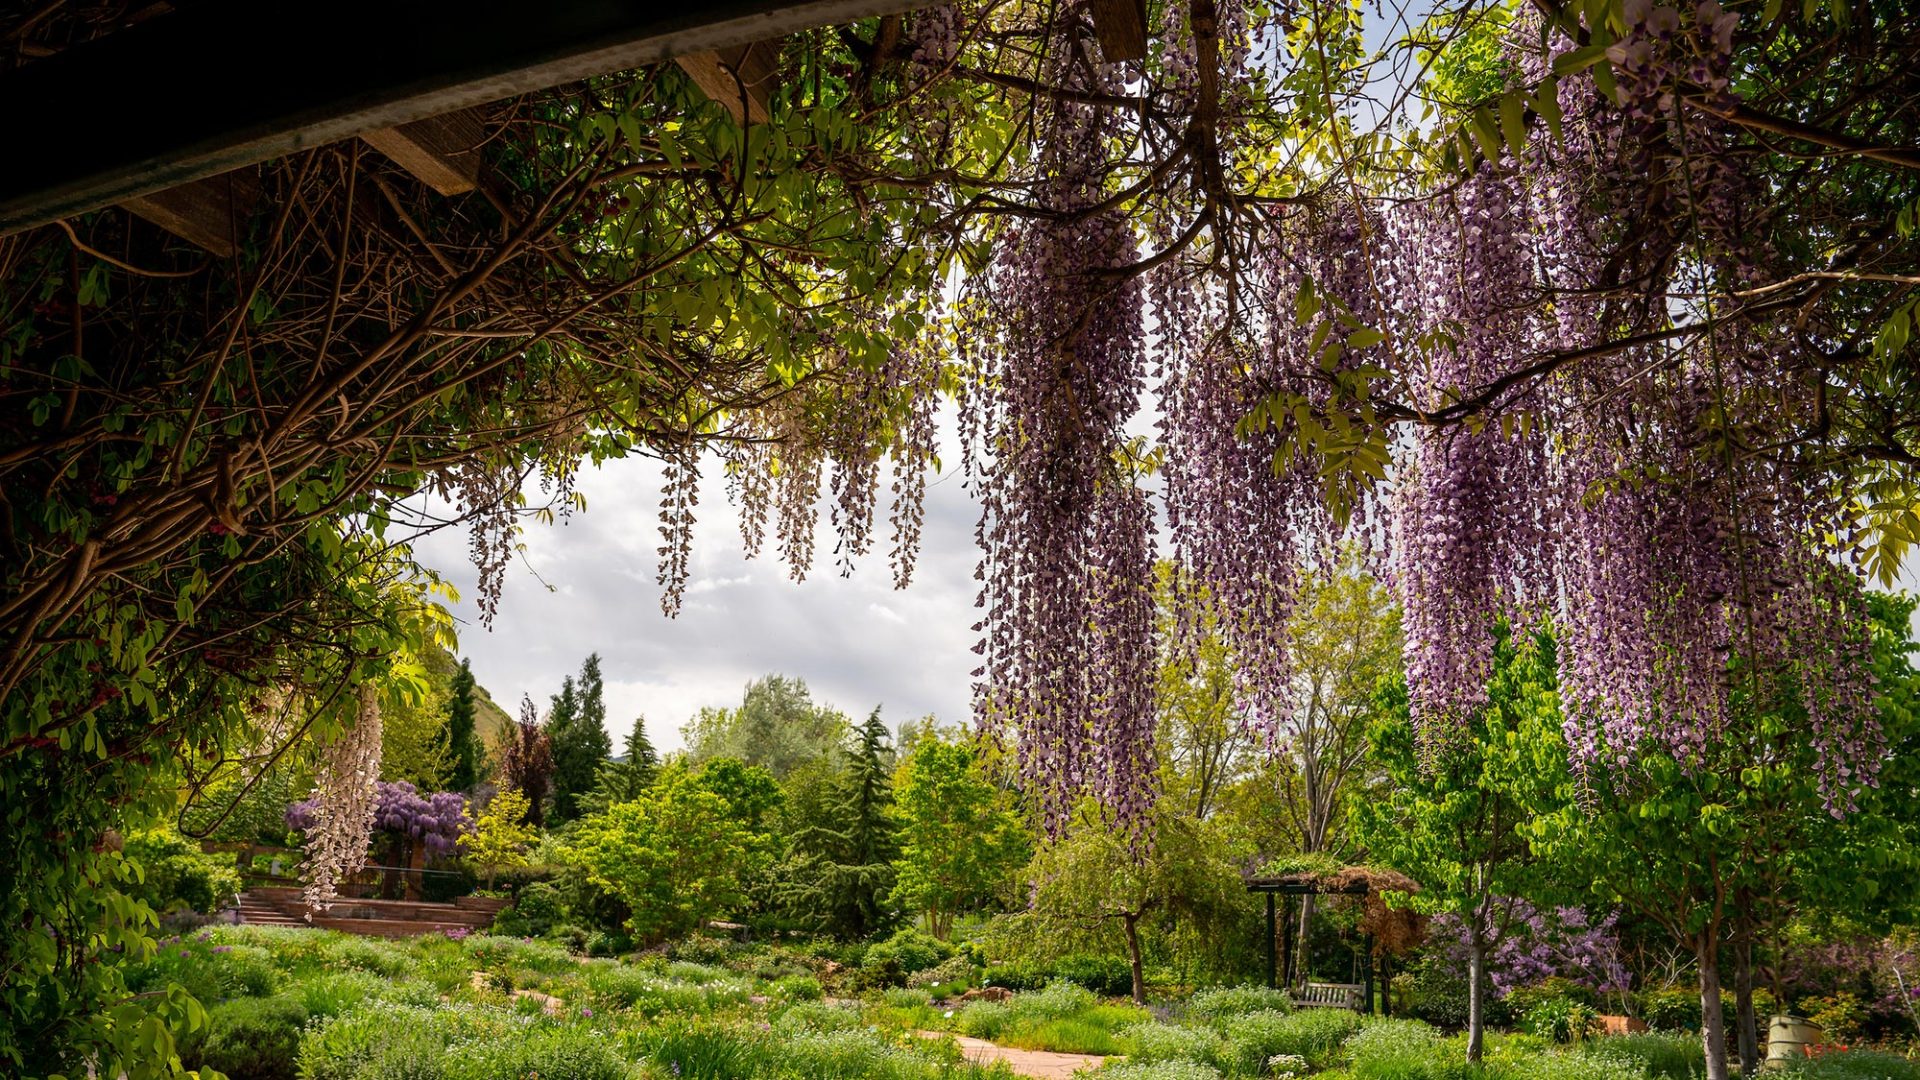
1534, 945
435, 821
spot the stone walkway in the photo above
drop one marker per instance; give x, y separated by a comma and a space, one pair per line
1039, 1064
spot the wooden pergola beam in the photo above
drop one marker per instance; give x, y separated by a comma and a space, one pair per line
740, 78
1121, 26
221, 84
443, 152
210, 214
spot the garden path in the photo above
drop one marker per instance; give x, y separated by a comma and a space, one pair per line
1038, 1064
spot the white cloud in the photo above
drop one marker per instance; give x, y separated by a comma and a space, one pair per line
587, 584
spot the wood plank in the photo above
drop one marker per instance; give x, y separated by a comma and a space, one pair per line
221, 84
1121, 26
442, 151
210, 214
740, 78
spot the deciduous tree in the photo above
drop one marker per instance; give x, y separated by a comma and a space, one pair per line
959, 840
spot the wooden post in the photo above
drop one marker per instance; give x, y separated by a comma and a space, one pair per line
1272, 944
1286, 942
1366, 972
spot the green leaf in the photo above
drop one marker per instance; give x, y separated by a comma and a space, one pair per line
1579, 59
1513, 121
1486, 132
1546, 102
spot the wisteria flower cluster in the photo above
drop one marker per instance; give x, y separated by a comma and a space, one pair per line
343, 803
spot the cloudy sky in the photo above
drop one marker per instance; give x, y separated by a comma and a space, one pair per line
586, 585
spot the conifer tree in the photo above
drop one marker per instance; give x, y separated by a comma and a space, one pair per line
627, 779
580, 743
463, 746
842, 872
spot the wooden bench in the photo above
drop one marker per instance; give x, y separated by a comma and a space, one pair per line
1329, 996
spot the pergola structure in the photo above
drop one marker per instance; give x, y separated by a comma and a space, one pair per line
1282, 889
198, 91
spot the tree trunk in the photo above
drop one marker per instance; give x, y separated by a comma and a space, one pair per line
1476, 996
1131, 924
1746, 1024
1302, 953
1713, 1025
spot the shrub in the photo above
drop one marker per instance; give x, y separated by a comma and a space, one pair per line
605, 943
1057, 1002
906, 998
345, 952
1024, 976
797, 988
399, 1042
537, 907
949, 976
569, 937
1312, 1034
1671, 1008
1522, 999
1157, 1070
1561, 1019
701, 949
1111, 976
699, 974
652, 993
910, 950
1841, 1015
179, 874
251, 1038
1852, 1065
817, 1016
336, 994
1169, 1042
1224, 1002
1398, 1049
211, 973
450, 881
861, 1055
1569, 1066
703, 1049
491, 952
1660, 1055
554, 1053
983, 1019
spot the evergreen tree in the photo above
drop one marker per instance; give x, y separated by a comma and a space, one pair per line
580, 743
844, 846
627, 779
463, 746
639, 748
